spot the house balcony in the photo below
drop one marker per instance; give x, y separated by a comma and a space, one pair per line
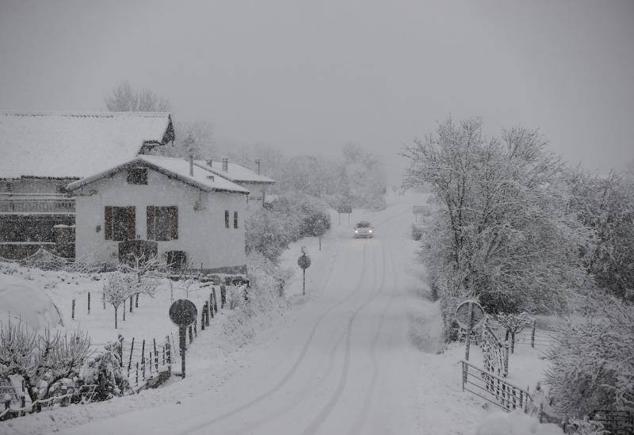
31, 203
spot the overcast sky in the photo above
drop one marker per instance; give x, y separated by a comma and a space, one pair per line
309, 76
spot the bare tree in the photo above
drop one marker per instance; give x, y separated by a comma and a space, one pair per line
126, 99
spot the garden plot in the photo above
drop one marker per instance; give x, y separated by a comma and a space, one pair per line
78, 305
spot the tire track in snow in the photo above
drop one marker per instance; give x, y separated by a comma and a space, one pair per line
361, 419
294, 367
316, 423
302, 395
299, 397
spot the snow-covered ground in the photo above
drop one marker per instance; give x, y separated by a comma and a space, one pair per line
360, 353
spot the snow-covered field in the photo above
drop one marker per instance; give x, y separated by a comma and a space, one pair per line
360, 353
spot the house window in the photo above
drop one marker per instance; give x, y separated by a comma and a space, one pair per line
227, 219
137, 176
162, 223
235, 219
120, 223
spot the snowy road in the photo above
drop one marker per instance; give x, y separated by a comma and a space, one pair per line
344, 364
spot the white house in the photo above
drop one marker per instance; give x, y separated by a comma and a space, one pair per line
257, 184
188, 210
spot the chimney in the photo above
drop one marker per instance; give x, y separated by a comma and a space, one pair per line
225, 164
191, 165
257, 162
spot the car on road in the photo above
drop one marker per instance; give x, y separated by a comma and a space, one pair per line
363, 229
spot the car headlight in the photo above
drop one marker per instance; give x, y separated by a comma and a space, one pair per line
370, 231
356, 231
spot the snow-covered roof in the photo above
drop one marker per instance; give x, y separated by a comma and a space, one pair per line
78, 145
174, 167
235, 173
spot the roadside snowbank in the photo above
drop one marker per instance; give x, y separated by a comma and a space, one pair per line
516, 423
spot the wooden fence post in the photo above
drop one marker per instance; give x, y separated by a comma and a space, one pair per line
130, 359
131, 301
88, 302
73, 310
223, 296
533, 334
103, 299
202, 316
123, 317
143, 357
506, 358
136, 377
168, 355
211, 303
155, 355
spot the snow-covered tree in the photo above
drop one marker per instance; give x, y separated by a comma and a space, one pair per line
606, 206
502, 232
126, 99
513, 324
118, 288
364, 178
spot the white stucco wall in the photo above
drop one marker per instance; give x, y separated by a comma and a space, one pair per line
201, 233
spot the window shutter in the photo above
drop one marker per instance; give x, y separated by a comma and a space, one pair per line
173, 222
235, 219
108, 223
226, 218
131, 223
150, 216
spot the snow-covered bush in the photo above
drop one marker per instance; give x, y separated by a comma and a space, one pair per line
263, 304
591, 362
103, 369
59, 357
17, 353
287, 219
269, 232
41, 360
585, 427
